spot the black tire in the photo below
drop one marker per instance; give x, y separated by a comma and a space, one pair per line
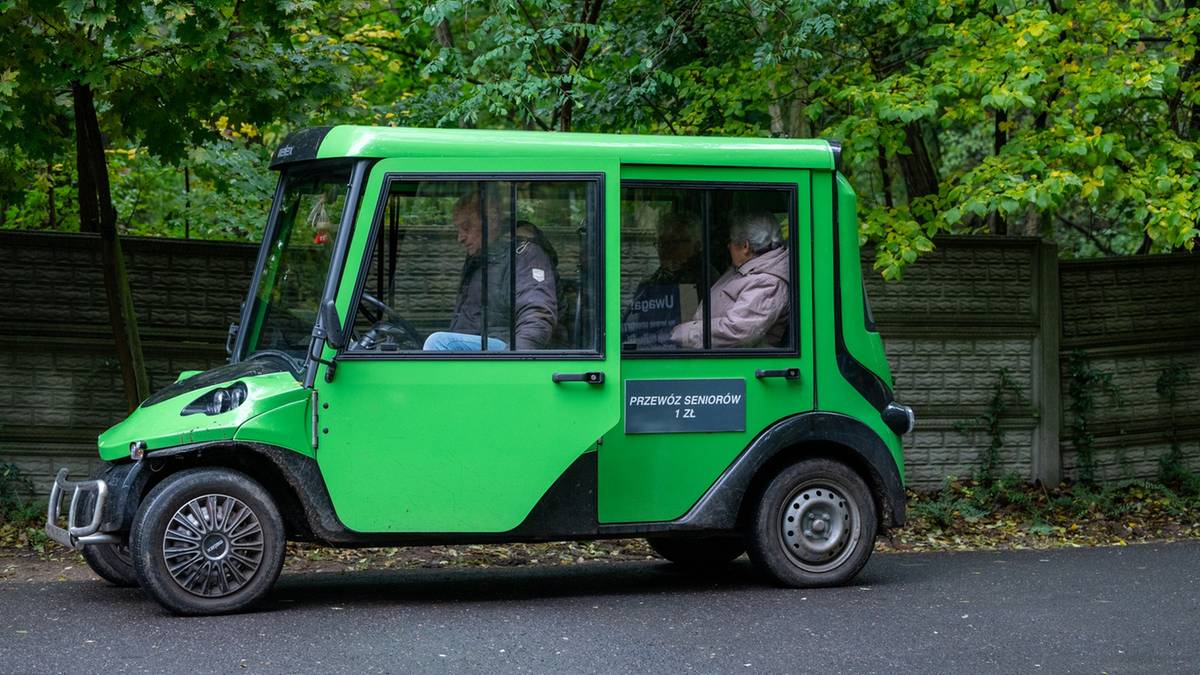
207, 541
112, 562
786, 541
698, 552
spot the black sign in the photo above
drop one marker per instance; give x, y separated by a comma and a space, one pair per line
680, 406
654, 311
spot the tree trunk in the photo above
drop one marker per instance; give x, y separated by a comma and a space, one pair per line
887, 178
444, 35
52, 215
589, 14
999, 140
920, 179
96, 214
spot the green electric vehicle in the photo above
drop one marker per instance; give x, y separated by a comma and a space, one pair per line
484, 336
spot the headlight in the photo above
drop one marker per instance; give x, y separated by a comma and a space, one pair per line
218, 401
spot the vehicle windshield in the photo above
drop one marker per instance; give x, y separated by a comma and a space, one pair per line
300, 248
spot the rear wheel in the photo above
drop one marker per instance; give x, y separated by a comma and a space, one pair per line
814, 525
698, 551
208, 541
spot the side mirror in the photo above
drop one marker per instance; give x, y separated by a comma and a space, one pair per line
329, 326
231, 337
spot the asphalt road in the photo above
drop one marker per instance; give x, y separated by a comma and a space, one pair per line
1115, 610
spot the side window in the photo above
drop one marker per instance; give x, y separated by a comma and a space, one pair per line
473, 266
706, 268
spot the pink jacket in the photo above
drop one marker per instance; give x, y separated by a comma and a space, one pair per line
749, 306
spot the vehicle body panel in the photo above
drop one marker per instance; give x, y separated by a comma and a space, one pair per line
161, 425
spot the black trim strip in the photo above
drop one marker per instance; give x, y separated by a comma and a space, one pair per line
299, 146
864, 380
812, 233
836, 148
706, 262
483, 270
512, 268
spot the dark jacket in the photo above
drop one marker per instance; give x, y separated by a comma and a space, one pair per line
535, 298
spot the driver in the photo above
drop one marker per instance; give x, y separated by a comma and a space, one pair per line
534, 307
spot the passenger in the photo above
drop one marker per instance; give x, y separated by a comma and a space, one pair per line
535, 304
679, 252
750, 301
667, 296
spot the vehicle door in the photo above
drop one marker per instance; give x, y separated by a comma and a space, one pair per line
417, 437
698, 388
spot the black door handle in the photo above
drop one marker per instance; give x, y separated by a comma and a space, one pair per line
787, 373
590, 378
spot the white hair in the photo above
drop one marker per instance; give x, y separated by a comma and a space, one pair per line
760, 229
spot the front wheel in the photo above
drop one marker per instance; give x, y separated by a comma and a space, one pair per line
814, 525
207, 541
112, 562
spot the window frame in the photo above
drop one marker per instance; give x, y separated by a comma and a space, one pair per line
597, 178
790, 350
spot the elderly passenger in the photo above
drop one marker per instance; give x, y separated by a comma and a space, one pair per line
750, 301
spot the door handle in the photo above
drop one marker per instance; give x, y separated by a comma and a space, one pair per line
590, 378
786, 373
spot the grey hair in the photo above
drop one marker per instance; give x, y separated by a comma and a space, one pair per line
495, 200
760, 229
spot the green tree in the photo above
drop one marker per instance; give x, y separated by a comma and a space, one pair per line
1070, 120
1076, 120
153, 73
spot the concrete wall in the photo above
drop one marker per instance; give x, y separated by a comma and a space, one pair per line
60, 381
961, 314
1134, 318
973, 306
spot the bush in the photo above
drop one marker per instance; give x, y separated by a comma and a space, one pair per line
13, 484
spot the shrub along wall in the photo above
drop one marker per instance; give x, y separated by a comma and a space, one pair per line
973, 308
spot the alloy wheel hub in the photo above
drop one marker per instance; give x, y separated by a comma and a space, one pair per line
213, 545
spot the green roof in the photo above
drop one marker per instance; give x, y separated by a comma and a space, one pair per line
361, 141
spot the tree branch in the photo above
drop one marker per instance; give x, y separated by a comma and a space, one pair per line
1106, 248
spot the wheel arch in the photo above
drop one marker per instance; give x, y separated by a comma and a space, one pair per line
268, 465
728, 502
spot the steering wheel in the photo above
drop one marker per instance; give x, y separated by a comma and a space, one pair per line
390, 329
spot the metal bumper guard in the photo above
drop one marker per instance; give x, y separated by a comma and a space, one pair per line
76, 535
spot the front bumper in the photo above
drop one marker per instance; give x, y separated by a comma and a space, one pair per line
84, 515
